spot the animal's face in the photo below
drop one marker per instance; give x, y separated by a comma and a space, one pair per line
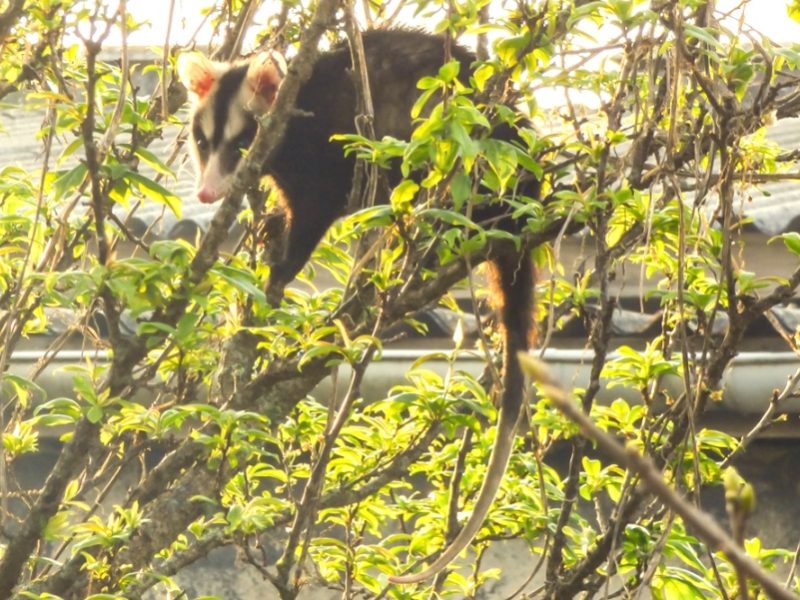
227, 100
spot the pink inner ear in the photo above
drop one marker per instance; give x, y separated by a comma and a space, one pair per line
264, 78
202, 84
197, 73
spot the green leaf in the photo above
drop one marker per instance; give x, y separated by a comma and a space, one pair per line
242, 280
23, 387
187, 325
449, 72
154, 191
416, 110
792, 241
481, 75
84, 387
320, 350
449, 216
793, 10
461, 189
69, 181
70, 149
704, 35
64, 407
153, 161
95, 413
374, 216
403, 195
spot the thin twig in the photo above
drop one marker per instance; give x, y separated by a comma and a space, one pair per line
766, 420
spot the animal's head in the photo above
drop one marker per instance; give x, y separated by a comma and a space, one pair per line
227, 100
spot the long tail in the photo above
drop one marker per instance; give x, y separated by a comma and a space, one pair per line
514, 282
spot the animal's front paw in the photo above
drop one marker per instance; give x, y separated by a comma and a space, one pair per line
274, 293
276, 286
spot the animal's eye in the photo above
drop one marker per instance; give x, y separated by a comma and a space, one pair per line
201, 141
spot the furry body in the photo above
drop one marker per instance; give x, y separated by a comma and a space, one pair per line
315, 178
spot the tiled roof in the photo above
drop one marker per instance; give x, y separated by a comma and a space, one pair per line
773, 207
21, 145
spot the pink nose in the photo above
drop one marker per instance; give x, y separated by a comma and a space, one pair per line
207, 195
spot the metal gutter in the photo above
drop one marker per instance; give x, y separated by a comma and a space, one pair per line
747, 385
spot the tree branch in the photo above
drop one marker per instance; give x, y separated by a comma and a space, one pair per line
703, 524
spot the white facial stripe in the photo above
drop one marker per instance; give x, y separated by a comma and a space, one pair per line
235, 123
213, 180
207, 123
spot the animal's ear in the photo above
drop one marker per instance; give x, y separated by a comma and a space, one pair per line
264, 76
197, 73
